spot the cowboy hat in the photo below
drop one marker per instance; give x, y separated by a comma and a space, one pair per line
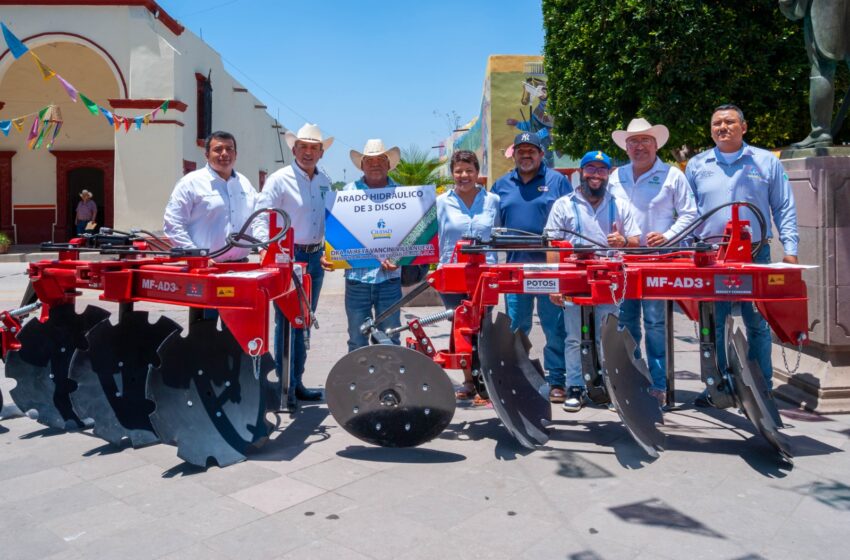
375, 147
641, 127
85, 192
308, 133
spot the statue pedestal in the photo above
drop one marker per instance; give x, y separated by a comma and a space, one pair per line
822, 191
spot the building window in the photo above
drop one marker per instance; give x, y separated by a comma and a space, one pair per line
204, 105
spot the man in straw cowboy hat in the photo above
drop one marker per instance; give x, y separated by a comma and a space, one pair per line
734, 170
86, 211
377, 288
300, 190
663, 206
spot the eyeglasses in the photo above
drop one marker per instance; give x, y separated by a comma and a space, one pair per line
593, 170
643, 141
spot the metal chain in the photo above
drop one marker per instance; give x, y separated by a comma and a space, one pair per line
255, 350
613, 287
793, 370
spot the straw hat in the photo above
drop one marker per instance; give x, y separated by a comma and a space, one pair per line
375, 147
308, 133
641, 127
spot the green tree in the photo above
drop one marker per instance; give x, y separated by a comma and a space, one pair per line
672, 62
337, 185
418, 168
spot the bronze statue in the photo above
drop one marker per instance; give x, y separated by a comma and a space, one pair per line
826, 24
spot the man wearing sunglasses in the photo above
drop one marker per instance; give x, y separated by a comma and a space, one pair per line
589, 216
663, 206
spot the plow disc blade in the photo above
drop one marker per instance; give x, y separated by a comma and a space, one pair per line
629, 383
40, 367
390, 396
209, 399
513, 381
110, 377
751, 391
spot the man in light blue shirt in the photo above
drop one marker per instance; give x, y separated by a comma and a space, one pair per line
589, 216
663, 205
736, 171
372, 289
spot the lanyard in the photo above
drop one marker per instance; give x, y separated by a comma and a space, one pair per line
578, 215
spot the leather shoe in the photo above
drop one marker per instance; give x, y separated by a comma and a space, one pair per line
302, 393
557, 395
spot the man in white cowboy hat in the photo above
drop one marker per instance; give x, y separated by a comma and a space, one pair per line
300, 190
372, 289
86, 211
663, 206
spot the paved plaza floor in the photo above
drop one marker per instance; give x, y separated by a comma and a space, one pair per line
717, 491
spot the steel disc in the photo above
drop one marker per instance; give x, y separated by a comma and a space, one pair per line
751, 390
111, 374
514, 381
40, 367
390, 396
628, 382
209, 399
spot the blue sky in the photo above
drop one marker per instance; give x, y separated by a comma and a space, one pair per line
364, 69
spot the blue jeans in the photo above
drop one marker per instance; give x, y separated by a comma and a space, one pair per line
758, 331
520, 308
653, 322
81, 226
298, 356
572, 324
361, 299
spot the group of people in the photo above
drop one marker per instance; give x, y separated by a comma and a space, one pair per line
644, 203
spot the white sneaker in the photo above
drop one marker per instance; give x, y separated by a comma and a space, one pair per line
575, 399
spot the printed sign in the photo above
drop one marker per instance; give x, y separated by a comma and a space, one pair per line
225, 291
364, 227
775, 279
540, 285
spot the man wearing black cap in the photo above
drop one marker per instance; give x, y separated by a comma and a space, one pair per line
527, 194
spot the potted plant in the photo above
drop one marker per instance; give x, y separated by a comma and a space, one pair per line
5, 242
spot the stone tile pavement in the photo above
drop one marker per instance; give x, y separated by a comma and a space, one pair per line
316, 492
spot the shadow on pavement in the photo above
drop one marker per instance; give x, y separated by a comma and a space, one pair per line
304, 431
507, 448
608, 433
399, 455
656, 513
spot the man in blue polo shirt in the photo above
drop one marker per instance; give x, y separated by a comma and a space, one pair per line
526, 195
736, 171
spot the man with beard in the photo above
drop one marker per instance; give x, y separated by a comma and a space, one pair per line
590, 216
526, 195
663, 206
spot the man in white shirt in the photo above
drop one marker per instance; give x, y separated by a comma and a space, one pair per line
209, 204
588, 216
662, 202
300, 190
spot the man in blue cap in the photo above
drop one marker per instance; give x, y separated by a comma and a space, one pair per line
590, 216
526, 195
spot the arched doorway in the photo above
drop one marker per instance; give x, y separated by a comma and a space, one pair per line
45, 184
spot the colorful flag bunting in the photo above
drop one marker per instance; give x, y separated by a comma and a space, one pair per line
116, 123
153, 114
46, 71
107, 114
18, 49
90, 105
5, 126
33, 130
127, 124
55, 134
19, 123
71, 90
165, 107
138, 123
